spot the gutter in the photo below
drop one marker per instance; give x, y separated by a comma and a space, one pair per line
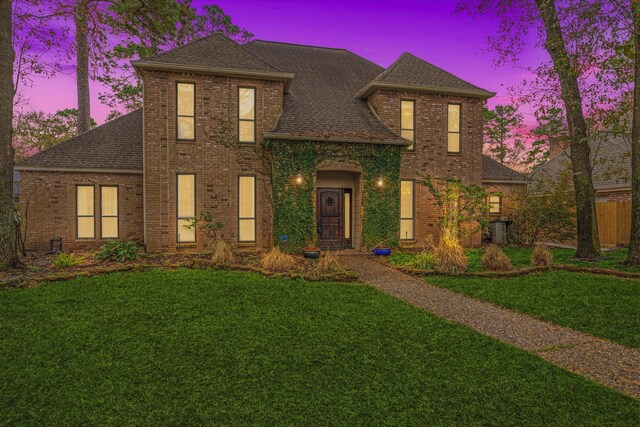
233, 72
81, 170
371, 86
502, 181
289, 137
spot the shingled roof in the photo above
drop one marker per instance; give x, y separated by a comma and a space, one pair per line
493, 171
216, 51
412, 72
115, 145
321, 102
611, 159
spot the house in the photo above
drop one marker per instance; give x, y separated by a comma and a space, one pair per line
611, 162
280, 142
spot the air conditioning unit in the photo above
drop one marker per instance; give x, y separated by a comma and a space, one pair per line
498, 231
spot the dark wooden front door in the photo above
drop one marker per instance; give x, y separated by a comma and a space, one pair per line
330, 218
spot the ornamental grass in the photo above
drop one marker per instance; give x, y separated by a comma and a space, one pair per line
278, 261
494, 259
450, 257
222, 253
541, 256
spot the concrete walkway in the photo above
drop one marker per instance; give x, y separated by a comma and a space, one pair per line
600, 360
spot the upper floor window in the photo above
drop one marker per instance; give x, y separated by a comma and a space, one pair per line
408, 121
495, 204
453, 123
246, 114
186, 111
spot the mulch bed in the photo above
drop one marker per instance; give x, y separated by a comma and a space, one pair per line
515, 273
38, 268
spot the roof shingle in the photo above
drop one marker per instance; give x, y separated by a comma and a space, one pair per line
495, 171
116, 144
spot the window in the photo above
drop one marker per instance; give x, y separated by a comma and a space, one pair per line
246, 114
85, 218
246, 208
453, 123
347, 214
407, 121
16, 186
186, 207
109, 212
495, 204
186, 111
406, 210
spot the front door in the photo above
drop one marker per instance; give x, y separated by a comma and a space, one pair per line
330, 218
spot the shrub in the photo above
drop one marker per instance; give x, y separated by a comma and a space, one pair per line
276, 260
65, 260
327, 264
494, 259
450, 257
541, 256
118, 250
222, 253
424, 260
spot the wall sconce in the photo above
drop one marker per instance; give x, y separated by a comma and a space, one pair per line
299, 179
379, 182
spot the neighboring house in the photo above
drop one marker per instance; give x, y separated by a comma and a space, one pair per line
507, 185
275, 140
611, 160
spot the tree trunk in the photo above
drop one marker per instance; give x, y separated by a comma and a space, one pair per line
587, 225
82, 65
633, 257
8, 232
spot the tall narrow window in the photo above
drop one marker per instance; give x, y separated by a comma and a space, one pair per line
453, 123
246, 114
247, 208
495, 204
186, 111
109, 212
406, 210
407, 121
186, 207
347, 215
85, 212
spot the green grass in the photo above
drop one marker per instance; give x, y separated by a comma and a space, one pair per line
204, 347
605, 306
521, 257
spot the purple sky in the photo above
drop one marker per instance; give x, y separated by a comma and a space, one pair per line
379, 31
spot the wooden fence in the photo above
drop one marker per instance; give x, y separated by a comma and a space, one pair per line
614, 222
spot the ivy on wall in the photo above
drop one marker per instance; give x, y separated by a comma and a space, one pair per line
293, 208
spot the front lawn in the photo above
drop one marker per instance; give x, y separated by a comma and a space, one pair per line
605, 306
521, 258
205, 347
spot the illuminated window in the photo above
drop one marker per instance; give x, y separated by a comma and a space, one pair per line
453, 123
85, 218
247, 208
406, 210
495, 204
186, 111
186, 207
347, 214
407, 121
246, 114
109, 212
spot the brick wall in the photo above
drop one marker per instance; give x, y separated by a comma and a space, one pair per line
215, 157
510, 194
613, 196
48, 207
430, 156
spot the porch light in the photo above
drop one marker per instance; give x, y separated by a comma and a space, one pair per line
299, 179
379, 182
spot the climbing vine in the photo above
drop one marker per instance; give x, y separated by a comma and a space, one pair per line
293, 207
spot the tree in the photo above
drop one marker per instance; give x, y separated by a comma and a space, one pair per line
35, 131
500, 138
8, 229
633, 258
578, 36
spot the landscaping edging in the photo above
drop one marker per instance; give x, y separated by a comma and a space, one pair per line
516, 273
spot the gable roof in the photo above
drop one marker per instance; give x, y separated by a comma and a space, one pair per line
493, 171
214, 53
413, 73
321, 102
115, 145
611, 160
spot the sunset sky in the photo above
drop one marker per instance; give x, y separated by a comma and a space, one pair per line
379, 31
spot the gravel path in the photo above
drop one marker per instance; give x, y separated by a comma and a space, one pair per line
600, 360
